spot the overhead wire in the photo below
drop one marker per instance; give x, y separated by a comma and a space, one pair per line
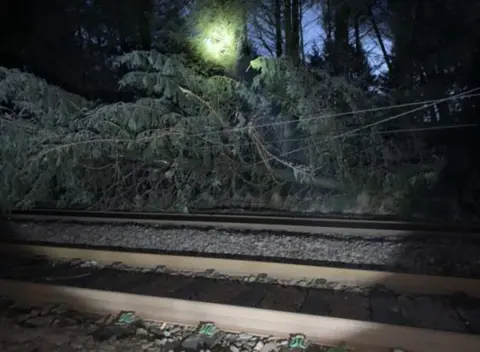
425, 104
345, 134
429, 103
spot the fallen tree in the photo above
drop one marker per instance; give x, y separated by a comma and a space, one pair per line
185, 137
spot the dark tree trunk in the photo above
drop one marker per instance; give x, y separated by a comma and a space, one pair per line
358, 42
295, 54
379, 38
144, 23
287, 16
278, 29
328, 21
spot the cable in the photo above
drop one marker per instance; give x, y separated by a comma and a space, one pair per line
375, 123
320, 117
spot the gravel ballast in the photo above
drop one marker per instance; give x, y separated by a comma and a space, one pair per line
435, 255
57, 328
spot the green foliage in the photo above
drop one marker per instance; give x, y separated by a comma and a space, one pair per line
190, 140
159, 144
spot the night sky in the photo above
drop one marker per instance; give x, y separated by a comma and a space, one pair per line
315, 35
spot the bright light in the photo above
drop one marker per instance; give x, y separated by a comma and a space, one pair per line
219, 43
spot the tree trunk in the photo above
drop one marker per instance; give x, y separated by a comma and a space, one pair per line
379, 38
342, 15
302, 38
287, 15
144, 23
341, 59
328, 21
295, 46
358, 42
278, 28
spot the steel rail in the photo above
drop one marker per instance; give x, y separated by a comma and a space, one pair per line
295, 224
398, 282
361, 336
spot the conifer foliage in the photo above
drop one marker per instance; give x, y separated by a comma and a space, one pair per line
188, 140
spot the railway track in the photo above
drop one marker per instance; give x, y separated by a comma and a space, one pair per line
295, 224
236, 304
366, 310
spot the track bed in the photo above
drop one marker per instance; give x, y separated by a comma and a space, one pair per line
456, 313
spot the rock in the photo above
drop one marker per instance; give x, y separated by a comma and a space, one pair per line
22, 317
88, 264
91, 328
175, 330
269, 347
101, 320
61, 339
160, 342
113, 333
159, 268
247, 348
60, 309
39, 321
76, 345
191, 344
234, 348
35, 312
141, 332
303, 283
148, 345
259, 345
76, 262
320, 282
89, 343
65, 321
